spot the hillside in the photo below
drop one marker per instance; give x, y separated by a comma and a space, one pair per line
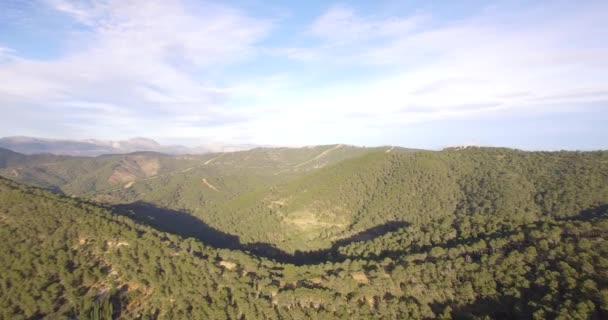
309, 199
490, 186
92, 176
66, 258
9, 158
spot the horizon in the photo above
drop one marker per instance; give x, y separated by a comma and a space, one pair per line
525, 75
196, 149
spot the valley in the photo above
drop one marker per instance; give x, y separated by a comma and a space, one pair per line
330, 231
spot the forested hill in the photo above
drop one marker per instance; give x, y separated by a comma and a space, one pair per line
488, 233
310, 199
475, 190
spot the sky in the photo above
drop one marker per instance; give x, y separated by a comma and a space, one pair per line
425, 74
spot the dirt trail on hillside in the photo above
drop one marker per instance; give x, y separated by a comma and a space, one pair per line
389, 150
309, 160
318, 156
284, 170
209, 184
213, 159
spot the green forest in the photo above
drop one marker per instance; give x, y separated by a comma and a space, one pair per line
329, 232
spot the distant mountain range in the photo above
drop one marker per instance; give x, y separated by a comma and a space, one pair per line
93, 147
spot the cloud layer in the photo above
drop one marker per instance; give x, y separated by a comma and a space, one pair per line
191, 71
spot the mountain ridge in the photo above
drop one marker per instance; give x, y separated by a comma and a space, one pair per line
92, 147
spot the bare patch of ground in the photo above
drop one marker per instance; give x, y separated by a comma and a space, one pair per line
227, 265
117, 244
305, 219
133, 167
120, 176
148, 166
360, 277
277, 204
126, 174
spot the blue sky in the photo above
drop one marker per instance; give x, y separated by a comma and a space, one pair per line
429, 74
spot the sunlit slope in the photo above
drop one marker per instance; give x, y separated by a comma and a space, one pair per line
217, 178
103, 175
493, 185
84, 175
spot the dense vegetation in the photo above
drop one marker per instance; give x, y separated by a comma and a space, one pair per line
482, 187
477, 233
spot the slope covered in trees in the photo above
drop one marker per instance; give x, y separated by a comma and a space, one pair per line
475, 190
310, 199
62, 257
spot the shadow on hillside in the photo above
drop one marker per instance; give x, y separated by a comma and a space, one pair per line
588, 214
322, 255
185, 225
503, 307
178, 223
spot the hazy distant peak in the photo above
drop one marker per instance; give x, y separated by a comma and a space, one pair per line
88, 147
143, 142
19, 139
136, 144
95, 147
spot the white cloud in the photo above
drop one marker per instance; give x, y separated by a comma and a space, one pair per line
473, 67
141, 57
6, 53
81, 12
340, 24
155, 68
